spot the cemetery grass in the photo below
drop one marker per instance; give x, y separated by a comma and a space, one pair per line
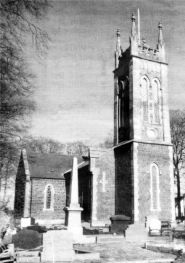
117, 252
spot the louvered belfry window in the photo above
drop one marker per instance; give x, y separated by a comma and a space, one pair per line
156, 100
144, 86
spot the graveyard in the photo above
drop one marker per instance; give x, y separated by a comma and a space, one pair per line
76, 241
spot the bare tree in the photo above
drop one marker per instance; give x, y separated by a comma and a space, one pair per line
177, 121
48, 145
43, 145
19, 20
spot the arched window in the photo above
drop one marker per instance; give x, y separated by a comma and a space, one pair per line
124, 103
156, 88
154, 187
144, 87
49, 197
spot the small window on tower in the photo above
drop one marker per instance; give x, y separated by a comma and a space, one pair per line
144, 87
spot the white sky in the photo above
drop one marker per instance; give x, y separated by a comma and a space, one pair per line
74, 92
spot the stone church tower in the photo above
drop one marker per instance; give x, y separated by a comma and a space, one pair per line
142, 141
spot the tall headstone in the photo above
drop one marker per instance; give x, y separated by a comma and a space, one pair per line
57, 246
73, 212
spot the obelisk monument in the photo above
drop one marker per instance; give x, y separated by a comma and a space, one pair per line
73, 212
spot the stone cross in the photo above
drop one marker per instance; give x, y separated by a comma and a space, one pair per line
103, 181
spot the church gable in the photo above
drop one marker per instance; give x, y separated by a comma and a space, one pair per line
40, 186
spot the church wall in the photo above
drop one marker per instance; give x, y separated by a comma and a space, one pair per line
160, 155
37, 202
124, 194
105, 191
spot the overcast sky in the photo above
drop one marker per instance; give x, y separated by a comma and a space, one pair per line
74, 92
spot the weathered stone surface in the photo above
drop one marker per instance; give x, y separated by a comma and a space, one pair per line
103, 193
137, 233
37, 205
57, 245
124, 194
27, 239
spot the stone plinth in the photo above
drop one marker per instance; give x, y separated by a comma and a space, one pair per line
57, 246
73, 220
27, 221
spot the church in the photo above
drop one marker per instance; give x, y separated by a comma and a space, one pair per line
135, 177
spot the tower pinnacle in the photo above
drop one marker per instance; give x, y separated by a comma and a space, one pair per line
133, 29
118, 44
160, 35
133, 37
160, 42
118, 48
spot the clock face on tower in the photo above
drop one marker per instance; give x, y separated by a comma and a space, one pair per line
152, 134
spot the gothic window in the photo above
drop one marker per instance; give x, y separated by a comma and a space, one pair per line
48, 197
156, 100
154, 183
124, 103
121, 97
144, 86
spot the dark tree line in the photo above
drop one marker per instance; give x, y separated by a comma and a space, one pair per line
48, 145
177, 121
19, 20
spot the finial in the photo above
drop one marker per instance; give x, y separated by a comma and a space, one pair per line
118, 33
133, 18
160, 26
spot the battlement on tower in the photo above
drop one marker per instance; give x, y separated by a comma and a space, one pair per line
139, 48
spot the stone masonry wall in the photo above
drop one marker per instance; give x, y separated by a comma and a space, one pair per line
158, 154
37, 202
106, 196
124, 194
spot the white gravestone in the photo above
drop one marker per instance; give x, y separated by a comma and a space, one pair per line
57, 246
